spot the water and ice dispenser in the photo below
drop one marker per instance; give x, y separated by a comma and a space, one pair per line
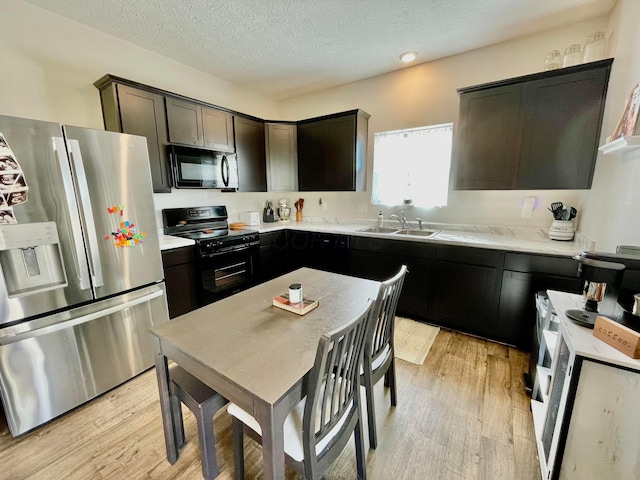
30, 258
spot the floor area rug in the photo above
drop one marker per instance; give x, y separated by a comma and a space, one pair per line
413, 340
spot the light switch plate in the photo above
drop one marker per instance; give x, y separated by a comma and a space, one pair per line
528, 205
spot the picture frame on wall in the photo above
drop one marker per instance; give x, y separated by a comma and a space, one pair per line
628, 124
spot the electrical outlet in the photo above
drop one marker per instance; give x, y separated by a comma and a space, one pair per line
528, 205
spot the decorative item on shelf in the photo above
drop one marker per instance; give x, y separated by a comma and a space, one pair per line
552, 60
594, 49
572, 55
628, 124
299, 204
562, 226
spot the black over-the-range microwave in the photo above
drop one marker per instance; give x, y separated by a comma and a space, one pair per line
197, 168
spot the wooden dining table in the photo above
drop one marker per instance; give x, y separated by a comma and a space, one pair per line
255, 354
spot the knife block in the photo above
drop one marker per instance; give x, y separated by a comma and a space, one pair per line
268, 217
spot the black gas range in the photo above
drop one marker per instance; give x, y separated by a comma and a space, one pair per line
209, 227
227, 259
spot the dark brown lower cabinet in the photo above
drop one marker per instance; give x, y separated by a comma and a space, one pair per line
180, 280
381, 259
484, 292
523, 276
273, 255
466, 288
324, 251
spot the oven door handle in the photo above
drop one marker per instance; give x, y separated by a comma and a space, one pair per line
219, 253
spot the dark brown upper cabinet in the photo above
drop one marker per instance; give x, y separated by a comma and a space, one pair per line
534, 132
217, 129
251, 154
196, 125
332, 152
136, 111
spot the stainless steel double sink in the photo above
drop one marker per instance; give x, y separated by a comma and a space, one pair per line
401, 232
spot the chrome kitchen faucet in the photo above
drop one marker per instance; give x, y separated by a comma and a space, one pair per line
403, 220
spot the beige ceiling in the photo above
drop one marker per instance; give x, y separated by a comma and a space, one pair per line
285, 48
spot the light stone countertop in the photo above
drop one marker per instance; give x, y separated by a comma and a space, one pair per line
581, 338
518, 239
168, 242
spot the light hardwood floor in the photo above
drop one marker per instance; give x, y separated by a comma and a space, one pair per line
462, 415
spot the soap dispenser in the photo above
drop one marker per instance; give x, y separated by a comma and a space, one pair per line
380, 219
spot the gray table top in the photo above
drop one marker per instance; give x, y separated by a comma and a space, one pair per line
259, 348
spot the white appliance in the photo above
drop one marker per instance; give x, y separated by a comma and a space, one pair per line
250, 218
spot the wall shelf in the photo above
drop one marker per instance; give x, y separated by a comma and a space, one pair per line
621, 145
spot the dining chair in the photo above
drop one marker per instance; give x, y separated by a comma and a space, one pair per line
319, 427
203, 403
379, 356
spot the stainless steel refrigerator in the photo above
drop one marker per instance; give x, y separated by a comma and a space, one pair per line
81, 279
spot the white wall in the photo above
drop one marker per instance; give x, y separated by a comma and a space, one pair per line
612, 206
426, 94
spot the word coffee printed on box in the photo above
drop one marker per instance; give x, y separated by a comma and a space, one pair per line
618, 336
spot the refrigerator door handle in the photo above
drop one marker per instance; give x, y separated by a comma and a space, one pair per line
8, 339
85, 204
74, 216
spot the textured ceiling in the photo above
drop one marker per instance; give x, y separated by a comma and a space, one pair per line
285, 48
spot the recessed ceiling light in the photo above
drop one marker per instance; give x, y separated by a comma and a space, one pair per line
408, 57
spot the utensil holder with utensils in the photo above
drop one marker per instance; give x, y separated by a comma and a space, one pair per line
561, 230
562, 226
299, 204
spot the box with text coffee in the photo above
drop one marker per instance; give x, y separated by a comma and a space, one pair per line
618, 336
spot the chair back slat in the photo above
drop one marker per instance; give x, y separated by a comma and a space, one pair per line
387, 304
335, 379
